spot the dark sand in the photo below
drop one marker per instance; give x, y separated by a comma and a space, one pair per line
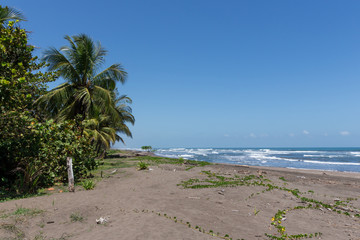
131, 199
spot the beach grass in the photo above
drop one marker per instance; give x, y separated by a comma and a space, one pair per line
114, 162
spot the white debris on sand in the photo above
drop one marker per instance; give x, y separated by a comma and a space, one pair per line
102, 220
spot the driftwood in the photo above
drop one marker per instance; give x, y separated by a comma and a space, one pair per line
70, 174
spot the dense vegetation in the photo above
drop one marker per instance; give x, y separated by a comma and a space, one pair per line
39, 129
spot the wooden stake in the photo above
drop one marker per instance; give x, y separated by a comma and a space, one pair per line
70, 174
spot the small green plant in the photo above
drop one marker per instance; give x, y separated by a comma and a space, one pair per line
282, 178
20, 211
76, 217
142, 166
88, 184
256, 211
41, 225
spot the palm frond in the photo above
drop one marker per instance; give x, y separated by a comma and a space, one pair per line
99, 56
10, 14
118, 138
85, 56
110, 75
91, 123
124, 129
58, 61
69, 112
83, 98
56, 99
102, 97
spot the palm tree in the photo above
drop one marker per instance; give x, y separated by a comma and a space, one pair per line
10, 14
102, 130
86, 91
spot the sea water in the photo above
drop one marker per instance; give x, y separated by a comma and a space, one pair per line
333, 159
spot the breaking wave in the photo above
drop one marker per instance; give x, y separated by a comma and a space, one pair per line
335, 159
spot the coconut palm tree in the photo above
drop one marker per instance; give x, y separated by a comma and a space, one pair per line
10, 14
87, 91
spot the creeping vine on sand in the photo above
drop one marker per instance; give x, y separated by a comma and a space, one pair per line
196, 227
213, 180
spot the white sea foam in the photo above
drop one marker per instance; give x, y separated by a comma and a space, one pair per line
328, 156
260, 158
234, 158
279, 152
332, 163
175, 149
356, 154
202, 152
230, 150
305, 151
186, 156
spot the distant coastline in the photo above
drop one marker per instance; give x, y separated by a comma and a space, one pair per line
327, 159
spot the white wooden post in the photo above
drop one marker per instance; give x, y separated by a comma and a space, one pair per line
70, 174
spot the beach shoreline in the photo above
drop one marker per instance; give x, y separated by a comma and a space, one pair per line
327, 159
161, 203
336, 172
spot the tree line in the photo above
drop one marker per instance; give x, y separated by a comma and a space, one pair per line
80, 118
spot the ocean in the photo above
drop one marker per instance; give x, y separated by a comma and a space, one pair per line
331, 159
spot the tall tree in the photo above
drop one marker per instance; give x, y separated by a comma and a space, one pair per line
87, 91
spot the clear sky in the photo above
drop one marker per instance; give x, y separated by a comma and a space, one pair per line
233, 73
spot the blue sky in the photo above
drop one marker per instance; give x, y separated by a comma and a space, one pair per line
231, 73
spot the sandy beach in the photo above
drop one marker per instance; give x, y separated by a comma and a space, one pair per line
220, 202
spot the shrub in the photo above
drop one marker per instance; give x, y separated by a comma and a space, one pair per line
142, 166
88, 184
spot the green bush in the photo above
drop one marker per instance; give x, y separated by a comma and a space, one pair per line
37, 158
